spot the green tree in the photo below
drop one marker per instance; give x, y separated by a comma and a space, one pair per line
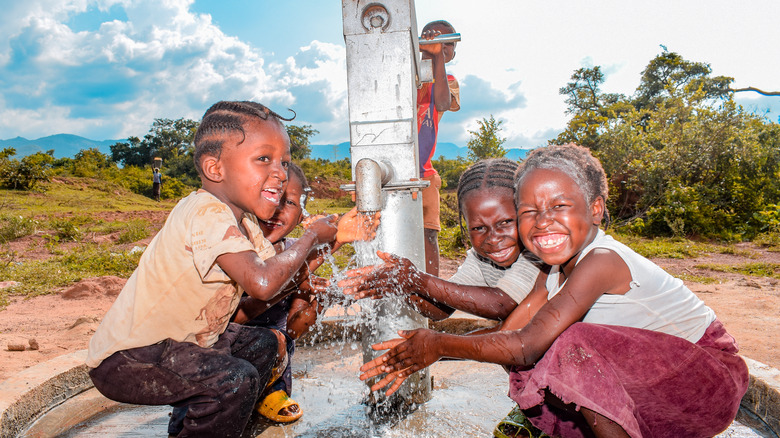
485, 142
134, 152
168, 139
681, 156
90, 163
299, 141
27, 173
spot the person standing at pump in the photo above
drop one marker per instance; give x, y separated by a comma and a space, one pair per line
156, 184
433, 99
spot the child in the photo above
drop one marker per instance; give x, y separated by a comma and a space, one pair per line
496, 275
617, 347
433, 99
295, 313
167, 338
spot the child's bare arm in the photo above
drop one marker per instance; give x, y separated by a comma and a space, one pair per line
375, 282
303, 314
442, 98
600, 272
264, 280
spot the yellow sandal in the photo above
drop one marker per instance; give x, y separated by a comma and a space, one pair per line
274, 403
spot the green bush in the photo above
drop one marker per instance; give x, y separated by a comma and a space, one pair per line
135, 230
65, 229
13, 227
27, 173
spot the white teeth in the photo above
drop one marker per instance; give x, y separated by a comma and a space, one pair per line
501, 253
550, 241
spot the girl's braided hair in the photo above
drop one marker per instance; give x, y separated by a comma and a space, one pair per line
225, 118
576, 162
492, 172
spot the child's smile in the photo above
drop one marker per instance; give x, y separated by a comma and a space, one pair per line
492, 224
287, 215
254, 171
555, 221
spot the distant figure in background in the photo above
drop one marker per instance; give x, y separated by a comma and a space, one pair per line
433, 99
156, 184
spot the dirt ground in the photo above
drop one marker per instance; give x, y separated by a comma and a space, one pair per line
64, 322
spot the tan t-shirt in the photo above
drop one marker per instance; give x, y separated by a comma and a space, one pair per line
178, 291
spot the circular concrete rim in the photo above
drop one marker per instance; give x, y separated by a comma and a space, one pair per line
31, 393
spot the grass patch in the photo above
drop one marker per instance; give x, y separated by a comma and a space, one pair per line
14, 226
82, 196
753, 269
41, 277
134, 230
737, 252
65, 230
696, 278
665, 247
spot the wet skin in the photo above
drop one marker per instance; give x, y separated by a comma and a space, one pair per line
554, 220
288, 214
248, 175
491, 221
252, 173
553, 205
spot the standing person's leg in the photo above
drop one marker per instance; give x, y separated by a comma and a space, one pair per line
431, 224
219, 389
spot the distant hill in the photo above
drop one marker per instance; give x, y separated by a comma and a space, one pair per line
68, 145
64, 145
449, 151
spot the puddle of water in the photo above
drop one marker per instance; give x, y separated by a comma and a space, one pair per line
469, 399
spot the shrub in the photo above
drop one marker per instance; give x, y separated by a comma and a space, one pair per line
65, 229
135, 230
13, 227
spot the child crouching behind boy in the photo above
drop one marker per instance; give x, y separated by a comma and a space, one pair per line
295, 313
167, 339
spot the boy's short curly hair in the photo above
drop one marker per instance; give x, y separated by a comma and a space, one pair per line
439, 23
575, 161
224, 118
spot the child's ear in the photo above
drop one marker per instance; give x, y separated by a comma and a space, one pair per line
597, 210
211, 168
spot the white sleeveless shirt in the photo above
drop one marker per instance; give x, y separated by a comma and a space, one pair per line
656, 300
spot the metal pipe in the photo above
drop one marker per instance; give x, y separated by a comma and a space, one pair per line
443, 38
370, 177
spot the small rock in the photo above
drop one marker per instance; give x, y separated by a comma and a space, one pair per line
751, 283
5, 284
33, 344
82, 320
16, 347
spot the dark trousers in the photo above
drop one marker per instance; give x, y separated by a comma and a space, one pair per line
156, 191
220, 384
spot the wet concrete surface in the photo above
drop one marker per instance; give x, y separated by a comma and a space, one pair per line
469, 398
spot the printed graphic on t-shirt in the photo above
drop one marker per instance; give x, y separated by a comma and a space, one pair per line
217, 312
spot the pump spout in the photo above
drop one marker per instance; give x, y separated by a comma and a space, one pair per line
370, 177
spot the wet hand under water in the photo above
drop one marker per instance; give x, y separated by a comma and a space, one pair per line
413, 352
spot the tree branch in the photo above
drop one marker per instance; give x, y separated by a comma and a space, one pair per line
765, 93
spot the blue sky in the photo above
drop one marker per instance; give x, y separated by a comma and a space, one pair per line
104, 69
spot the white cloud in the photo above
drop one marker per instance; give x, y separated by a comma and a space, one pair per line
164, 61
